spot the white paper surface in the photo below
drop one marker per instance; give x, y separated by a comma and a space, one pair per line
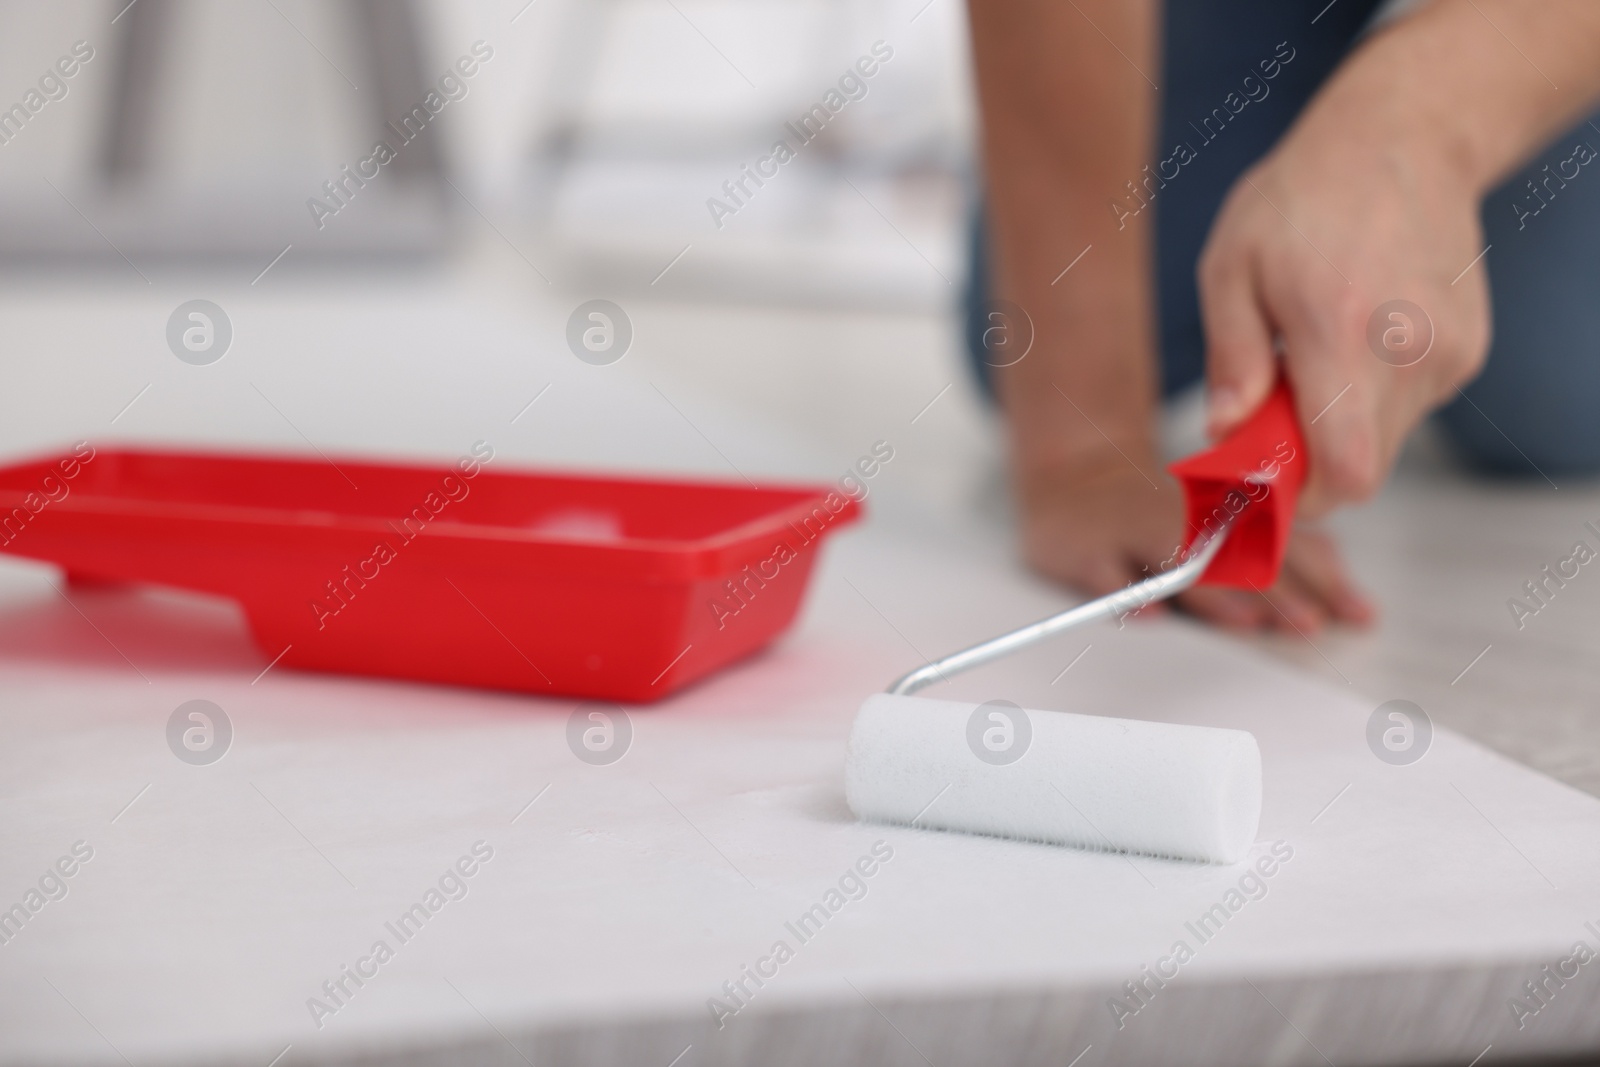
218, 903
220, 898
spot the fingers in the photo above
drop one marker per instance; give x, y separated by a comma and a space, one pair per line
1241, 365
1313, 590
1320, 318
1337, 408
1093, 570
1286, 607
1104, 575
1314, 565
1262, 283
1235, 609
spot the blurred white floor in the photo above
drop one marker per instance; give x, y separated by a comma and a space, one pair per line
1441, 551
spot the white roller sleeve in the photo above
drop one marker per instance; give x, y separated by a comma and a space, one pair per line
1193, 792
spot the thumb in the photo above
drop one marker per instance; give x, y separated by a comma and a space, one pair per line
1241, 365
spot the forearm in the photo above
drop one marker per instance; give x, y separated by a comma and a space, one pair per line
1067, 122
1474, 85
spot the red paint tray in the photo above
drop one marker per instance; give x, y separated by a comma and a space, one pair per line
615, 588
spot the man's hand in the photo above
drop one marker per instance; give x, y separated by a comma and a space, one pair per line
1308, 246
1099, 524
1373, 197
1068, 118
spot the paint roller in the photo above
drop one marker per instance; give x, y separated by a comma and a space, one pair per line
1087, 781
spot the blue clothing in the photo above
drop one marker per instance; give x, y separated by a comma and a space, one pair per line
1237, 73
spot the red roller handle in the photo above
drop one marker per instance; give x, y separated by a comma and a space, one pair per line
1255, 473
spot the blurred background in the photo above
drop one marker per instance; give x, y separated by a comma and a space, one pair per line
544, 153
592, 138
